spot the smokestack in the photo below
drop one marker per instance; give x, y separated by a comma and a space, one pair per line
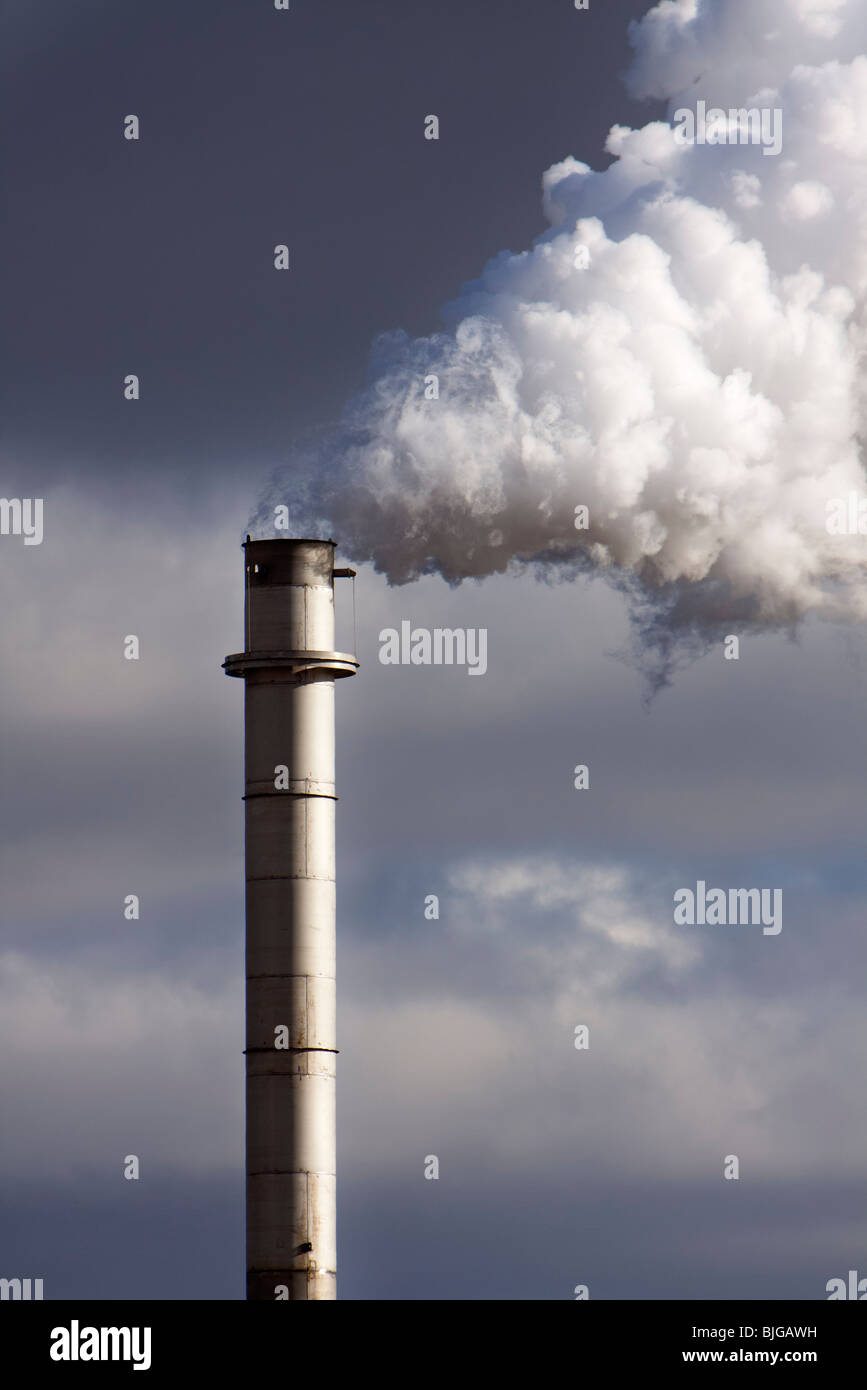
289, 667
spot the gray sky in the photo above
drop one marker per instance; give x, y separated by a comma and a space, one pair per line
558, 1167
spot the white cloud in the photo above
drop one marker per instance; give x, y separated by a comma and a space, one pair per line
697, 384
679, 1073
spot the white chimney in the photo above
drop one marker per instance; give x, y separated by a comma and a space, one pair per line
289, 668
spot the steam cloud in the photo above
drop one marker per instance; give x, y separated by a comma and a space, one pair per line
692, 377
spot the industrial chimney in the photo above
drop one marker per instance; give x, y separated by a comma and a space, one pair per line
289, 668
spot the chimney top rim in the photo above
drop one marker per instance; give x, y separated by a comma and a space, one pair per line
289, 540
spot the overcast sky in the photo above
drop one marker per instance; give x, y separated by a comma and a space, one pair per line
558, 1167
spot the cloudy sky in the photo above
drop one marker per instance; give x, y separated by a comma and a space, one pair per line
697, 384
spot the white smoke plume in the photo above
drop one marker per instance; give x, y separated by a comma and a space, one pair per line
680, 352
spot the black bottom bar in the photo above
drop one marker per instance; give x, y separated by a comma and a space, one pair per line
612, 1338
